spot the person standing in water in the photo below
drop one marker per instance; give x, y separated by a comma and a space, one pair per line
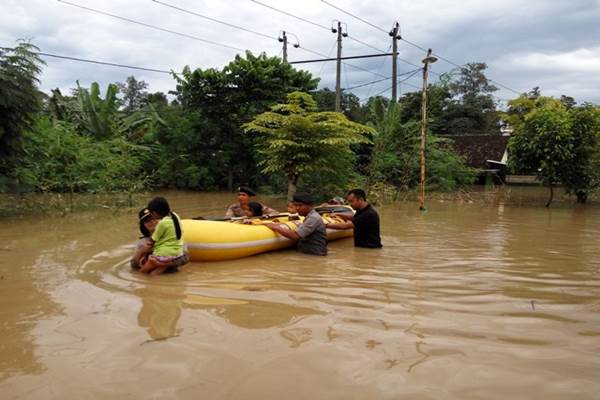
241, 208
311, 234
365, 221
167, 239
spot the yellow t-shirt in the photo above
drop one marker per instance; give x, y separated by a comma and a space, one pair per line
165, 239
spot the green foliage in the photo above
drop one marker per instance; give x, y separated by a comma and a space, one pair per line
560, 145
233, 96
96, 116
188, 156
134, 93
583, 174
396, 154
349, 103
19, 99
57, 158
298, 140
525, 104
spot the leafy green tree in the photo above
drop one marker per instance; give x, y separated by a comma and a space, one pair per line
134, 93
473, 109
97, 116
583, 174
57, 158
396, 154
19, 100
349, 104
438, 100
233, 96
544, 144
298, 140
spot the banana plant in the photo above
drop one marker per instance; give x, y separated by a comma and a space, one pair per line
98, 117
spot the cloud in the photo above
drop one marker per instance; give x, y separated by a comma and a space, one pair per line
537, 43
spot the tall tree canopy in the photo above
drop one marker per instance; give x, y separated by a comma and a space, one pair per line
234, 95
299, 140
19, 98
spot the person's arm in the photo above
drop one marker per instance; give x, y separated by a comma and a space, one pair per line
344, 216
229, 212
340, 225
287, 232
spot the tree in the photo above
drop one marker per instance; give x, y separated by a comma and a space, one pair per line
473, 109
298, 140
96, 116
349, 103
544, 144
19, 98
395, 159
583, 174
231, 97
134, 93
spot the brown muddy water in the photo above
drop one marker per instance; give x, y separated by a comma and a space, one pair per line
465, 301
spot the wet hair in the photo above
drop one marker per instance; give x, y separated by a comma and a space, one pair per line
160, 205
358, 194
255, 208
143, 217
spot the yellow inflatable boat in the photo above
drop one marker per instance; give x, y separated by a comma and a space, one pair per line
228, 240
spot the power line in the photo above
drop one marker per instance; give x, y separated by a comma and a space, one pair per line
328, 29
215, 20
341, 58
292, 15
110, 64
413, 72
415, 45
151, 26
354, 16
328, 56
348, 64
379, 69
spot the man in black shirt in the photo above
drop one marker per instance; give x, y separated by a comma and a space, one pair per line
365, 221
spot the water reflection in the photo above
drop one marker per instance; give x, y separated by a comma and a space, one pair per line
161, 310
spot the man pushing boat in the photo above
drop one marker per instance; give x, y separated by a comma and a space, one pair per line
311, 234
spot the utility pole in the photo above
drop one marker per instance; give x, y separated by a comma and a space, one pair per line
426, 61
395, 34
283, 39
338, 68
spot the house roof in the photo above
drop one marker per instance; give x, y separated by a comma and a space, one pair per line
476, 149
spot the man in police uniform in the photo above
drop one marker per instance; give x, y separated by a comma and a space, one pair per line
311, 234
241, 208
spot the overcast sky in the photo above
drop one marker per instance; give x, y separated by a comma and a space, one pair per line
553, 44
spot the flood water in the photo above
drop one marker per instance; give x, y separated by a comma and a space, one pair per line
465, 301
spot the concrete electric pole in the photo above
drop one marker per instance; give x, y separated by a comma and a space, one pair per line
338, 69
395, 34
426, 61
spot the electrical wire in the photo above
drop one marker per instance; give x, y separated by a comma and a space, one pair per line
151, 26
110, 64
417, 46
215, 20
